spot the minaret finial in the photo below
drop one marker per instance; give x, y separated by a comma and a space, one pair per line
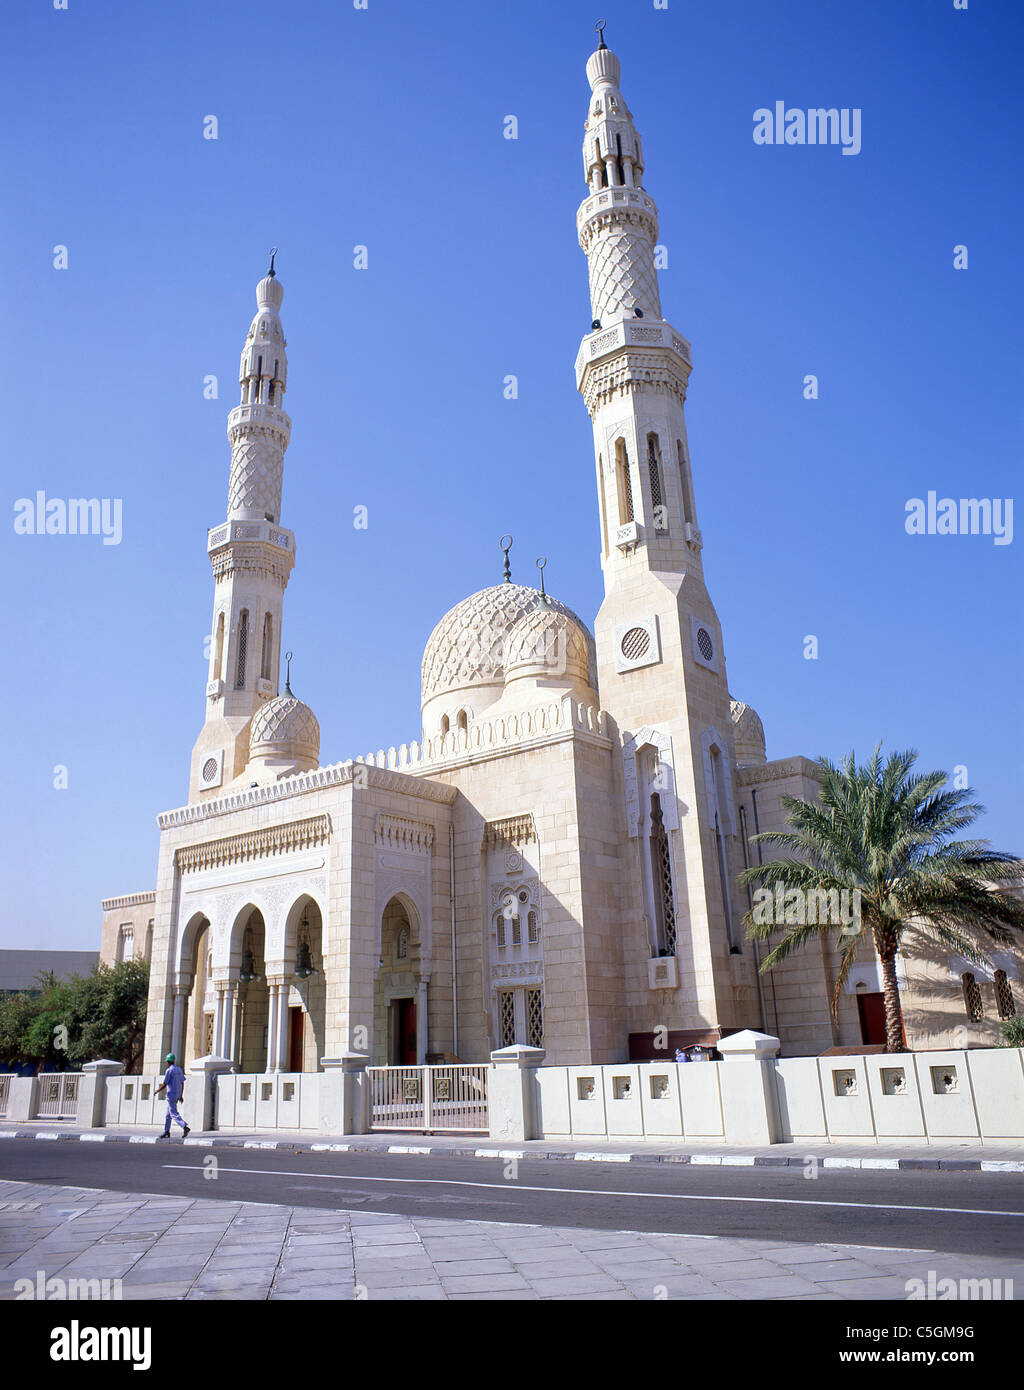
541, 562
505, 544
599, 31
288, 675
273, 253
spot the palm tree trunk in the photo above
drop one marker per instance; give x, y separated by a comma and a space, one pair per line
893, 1012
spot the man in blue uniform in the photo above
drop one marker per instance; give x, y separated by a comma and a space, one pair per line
174, 1084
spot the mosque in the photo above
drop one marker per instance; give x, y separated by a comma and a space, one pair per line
554, 860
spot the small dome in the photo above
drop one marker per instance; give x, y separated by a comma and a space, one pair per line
270, 293
285, 728
548, 644
466, 650
748, 734
603, 66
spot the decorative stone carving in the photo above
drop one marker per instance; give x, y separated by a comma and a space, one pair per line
254, 844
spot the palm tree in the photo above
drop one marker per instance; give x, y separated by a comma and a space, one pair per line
884, 834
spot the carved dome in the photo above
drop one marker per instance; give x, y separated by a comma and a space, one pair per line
748, 734
285, 728
548, 644
467, 647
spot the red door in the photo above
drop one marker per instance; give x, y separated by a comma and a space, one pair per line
406, 1032
871, 1008
296, 1028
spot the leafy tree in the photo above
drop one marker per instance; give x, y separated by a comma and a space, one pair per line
44, 1039
887, 832
16, 1013
1013, 1032
108, 1014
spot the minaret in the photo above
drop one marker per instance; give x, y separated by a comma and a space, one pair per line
661, 666
251, 554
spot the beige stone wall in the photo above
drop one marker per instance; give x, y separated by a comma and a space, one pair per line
134, 910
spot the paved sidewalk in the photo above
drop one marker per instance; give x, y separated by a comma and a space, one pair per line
182, 1248
953, 1155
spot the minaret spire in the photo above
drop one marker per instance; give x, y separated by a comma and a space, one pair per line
251, 553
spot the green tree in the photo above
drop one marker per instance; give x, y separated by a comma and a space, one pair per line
108, 1014
886, 833
46, 1034
16, 1013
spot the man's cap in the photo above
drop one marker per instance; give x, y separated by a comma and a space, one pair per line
169, 1057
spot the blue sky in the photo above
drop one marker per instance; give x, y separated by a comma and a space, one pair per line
383, 127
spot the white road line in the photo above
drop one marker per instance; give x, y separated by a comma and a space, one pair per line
346, 1178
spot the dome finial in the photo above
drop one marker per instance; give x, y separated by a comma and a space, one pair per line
288, 674
273, 253
541, 563
599, 31
505, 544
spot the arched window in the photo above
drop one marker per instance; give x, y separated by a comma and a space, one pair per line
1004, 996
532, 930
402, 944
661, 872
149, 940
218, 651
445, 725
972, 998
659, 511
463, 720
625, 485
499, 928
517, 938
268, 646
684, 482
243, 648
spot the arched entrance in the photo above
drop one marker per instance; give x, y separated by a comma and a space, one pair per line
399, 996
195, 983
304, 1001
248, 967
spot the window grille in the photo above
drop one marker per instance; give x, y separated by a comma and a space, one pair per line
402, 945
662, 865
659, 510
506, 1018
684, 482
268, 642
243, 645
534, 1018
972, 998
625, 483
516, 932
1004, 996
499, 922
532, 931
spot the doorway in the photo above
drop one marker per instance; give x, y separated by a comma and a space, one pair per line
404, 1015
871, 1008
296, 1037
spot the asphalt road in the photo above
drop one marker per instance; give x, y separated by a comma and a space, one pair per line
966, 1213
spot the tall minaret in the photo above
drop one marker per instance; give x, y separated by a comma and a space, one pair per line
661, 666
251, 554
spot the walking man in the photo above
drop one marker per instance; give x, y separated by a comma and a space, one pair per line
174, 1084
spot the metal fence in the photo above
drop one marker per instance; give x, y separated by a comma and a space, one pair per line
429, 1099
58, 1095
5, 1092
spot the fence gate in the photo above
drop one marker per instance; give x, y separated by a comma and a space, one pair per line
58, 1095
429, 1099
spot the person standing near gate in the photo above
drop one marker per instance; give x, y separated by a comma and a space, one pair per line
174, 1084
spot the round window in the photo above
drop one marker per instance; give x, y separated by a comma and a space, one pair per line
635, 643
209, 769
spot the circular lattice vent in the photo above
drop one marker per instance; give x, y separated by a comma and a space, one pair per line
209, 769
705, 644
635, 643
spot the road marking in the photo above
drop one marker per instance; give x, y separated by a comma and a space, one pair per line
405, 1149
706, 1158
1009, 1166
500, 1153
257, 1144
46, 1135
142, 1139
880, 1163
330, 1148
345, 1178
93, 1138
602, 1158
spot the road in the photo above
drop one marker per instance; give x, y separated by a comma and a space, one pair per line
965, 1213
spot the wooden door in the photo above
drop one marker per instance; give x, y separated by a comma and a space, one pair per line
296, 1033
871, 1008
406, 1032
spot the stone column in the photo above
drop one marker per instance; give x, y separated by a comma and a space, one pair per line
271, 1023
422, 1027
226, 1045
283, 1026
92, 1092
344, 1094
218, 1020
178, 1021
750, 1107
513, 1101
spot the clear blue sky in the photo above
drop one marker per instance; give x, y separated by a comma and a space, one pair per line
383, 127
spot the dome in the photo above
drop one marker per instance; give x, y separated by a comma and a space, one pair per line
548, 644
748, 734
270, 293
285, 729
467, 648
